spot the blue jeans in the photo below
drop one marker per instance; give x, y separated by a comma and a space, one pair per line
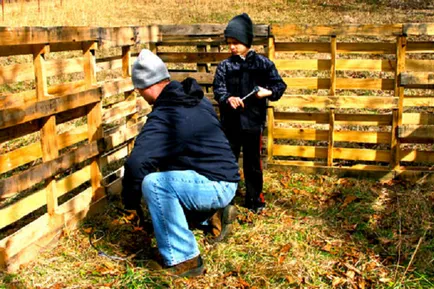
167, 195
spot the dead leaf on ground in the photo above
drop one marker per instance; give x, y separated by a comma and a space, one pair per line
348, 200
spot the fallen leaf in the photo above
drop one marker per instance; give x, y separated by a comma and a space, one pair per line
338, 281
87, 230
348, 200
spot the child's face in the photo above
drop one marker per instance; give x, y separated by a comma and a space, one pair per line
236, 47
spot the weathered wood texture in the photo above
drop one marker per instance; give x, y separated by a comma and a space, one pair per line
344, 109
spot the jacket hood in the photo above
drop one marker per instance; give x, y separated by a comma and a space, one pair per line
186, 93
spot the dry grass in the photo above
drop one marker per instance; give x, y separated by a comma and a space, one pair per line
139, 12
318, 232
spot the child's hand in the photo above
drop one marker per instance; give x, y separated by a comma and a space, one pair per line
235, 102
263, 92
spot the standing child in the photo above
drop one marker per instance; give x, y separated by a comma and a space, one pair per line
243, 120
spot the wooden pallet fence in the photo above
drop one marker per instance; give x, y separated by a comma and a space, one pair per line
345, 109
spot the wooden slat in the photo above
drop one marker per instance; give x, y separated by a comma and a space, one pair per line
206, 29
17, 115
270, 133
302, 64
363, 119
417, 80
331, 136
114, 156
341, 83
119, 111
109, 63
418, 29
300, 134
32, 152
420, 47
365, 65
416, 131
116, 86
416, 156
284, 30
25, 206
22, 181
418, 118
419, 65
122, 136
363, 137
337, 102
301, 117
300, 151
19, 157
366, 48
303, 47
361, 154
333, 56
16, 72
193, 57
18, 131
419, 101
201, 77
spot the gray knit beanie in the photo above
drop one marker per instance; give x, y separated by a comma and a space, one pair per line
148, 69
240, 28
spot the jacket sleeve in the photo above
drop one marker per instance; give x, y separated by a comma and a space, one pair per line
221, 94
155, 144
275, 83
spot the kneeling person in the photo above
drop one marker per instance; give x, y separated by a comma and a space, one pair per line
181, 162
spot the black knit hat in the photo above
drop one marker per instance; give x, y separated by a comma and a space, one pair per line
240, 28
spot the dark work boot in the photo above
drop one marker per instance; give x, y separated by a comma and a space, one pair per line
190, 268
221, 223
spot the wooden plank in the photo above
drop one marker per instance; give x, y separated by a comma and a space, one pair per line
201, 77
119, 110
417, 80
416, 156
19, 157
418, 118
114, 156
341, 64
361, 154
25, 97
300, 151
363, 137
271, 135
302, 64
16, 73
73, 181
385, 65
94, 119
22, 181
193, 57
418, 101
365, 48
109, 63
341, 83
17, 115
418, 29
32, 152
363, 119
206, 30
419, 65
303, 47
420, 47
18, 131
300, 134
394, 141
336, 102
122, 136
331, 136
332, 65
48, 135
116, 86
302, 117
416, 131
285, 30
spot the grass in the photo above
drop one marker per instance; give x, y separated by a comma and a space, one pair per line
317, 232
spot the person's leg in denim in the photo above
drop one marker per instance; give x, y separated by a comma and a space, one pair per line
167, 194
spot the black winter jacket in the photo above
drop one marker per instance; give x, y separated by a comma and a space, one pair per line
237, 77
181, 133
